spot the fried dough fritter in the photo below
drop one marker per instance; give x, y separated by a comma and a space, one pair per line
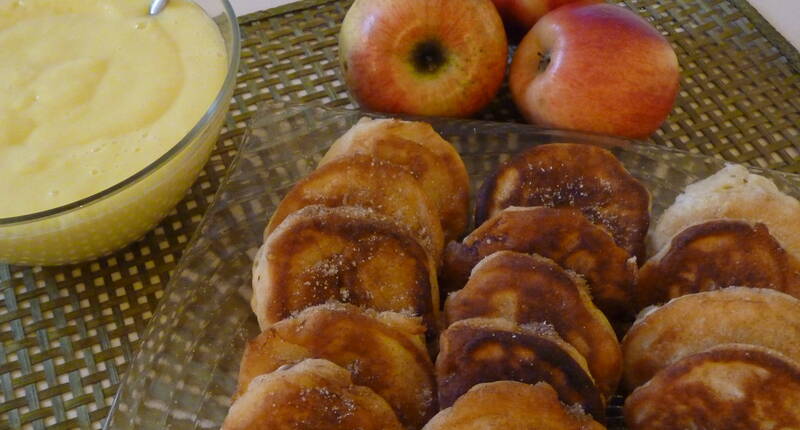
733, 193
345, 254
313, 394
365, 181
584, 177
419, 148
479, 350
531, 289
510, 405
696, 322
718, 254
729, 387
561, 234
384, 351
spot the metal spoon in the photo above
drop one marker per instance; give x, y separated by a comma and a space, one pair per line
157, 6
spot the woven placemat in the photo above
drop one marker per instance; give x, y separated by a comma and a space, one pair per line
68, 333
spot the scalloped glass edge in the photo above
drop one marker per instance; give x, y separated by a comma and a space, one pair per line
185, 371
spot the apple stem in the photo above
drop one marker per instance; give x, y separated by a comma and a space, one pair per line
544, 60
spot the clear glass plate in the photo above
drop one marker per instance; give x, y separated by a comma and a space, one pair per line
185, 372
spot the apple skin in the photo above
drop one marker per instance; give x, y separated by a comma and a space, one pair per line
520, 15
423, 57
610, 72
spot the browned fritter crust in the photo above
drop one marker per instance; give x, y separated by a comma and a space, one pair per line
510, 405
345, 254
419, 148
365, 181
529, 289
731, 387
696, 322
585, 177
718, 254
735, 193
383, 351
479, 350
561, 234
313, 394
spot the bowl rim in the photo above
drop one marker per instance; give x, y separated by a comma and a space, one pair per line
188, 138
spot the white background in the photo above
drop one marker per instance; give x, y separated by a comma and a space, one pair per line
784, 15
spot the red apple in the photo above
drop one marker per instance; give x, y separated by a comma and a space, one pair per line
609, 71
520, 15
425, 57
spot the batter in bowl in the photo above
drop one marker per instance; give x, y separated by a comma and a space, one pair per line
92, 91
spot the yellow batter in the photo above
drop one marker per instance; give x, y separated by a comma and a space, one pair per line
92, 91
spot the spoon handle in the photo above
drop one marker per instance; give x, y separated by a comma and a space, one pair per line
157, 6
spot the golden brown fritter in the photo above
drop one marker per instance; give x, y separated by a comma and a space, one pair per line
417, 147
313, 394
508, 405
384, 351
696, 322
345, 254
729, 387
478, 350
361, 180
584, 177
732, 193
718, 254
561, 234
529, 289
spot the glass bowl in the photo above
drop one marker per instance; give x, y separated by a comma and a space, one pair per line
186, 369
112, 218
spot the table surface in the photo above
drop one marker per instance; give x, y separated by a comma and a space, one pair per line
782, 14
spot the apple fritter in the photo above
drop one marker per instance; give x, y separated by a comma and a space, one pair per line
478, 350
733, 193
718, 254
419, 148
731, 387
584, 177
510, 405
361, 180
561, 234
384, 351
313, 394
529, 289
696, 322
346, 254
